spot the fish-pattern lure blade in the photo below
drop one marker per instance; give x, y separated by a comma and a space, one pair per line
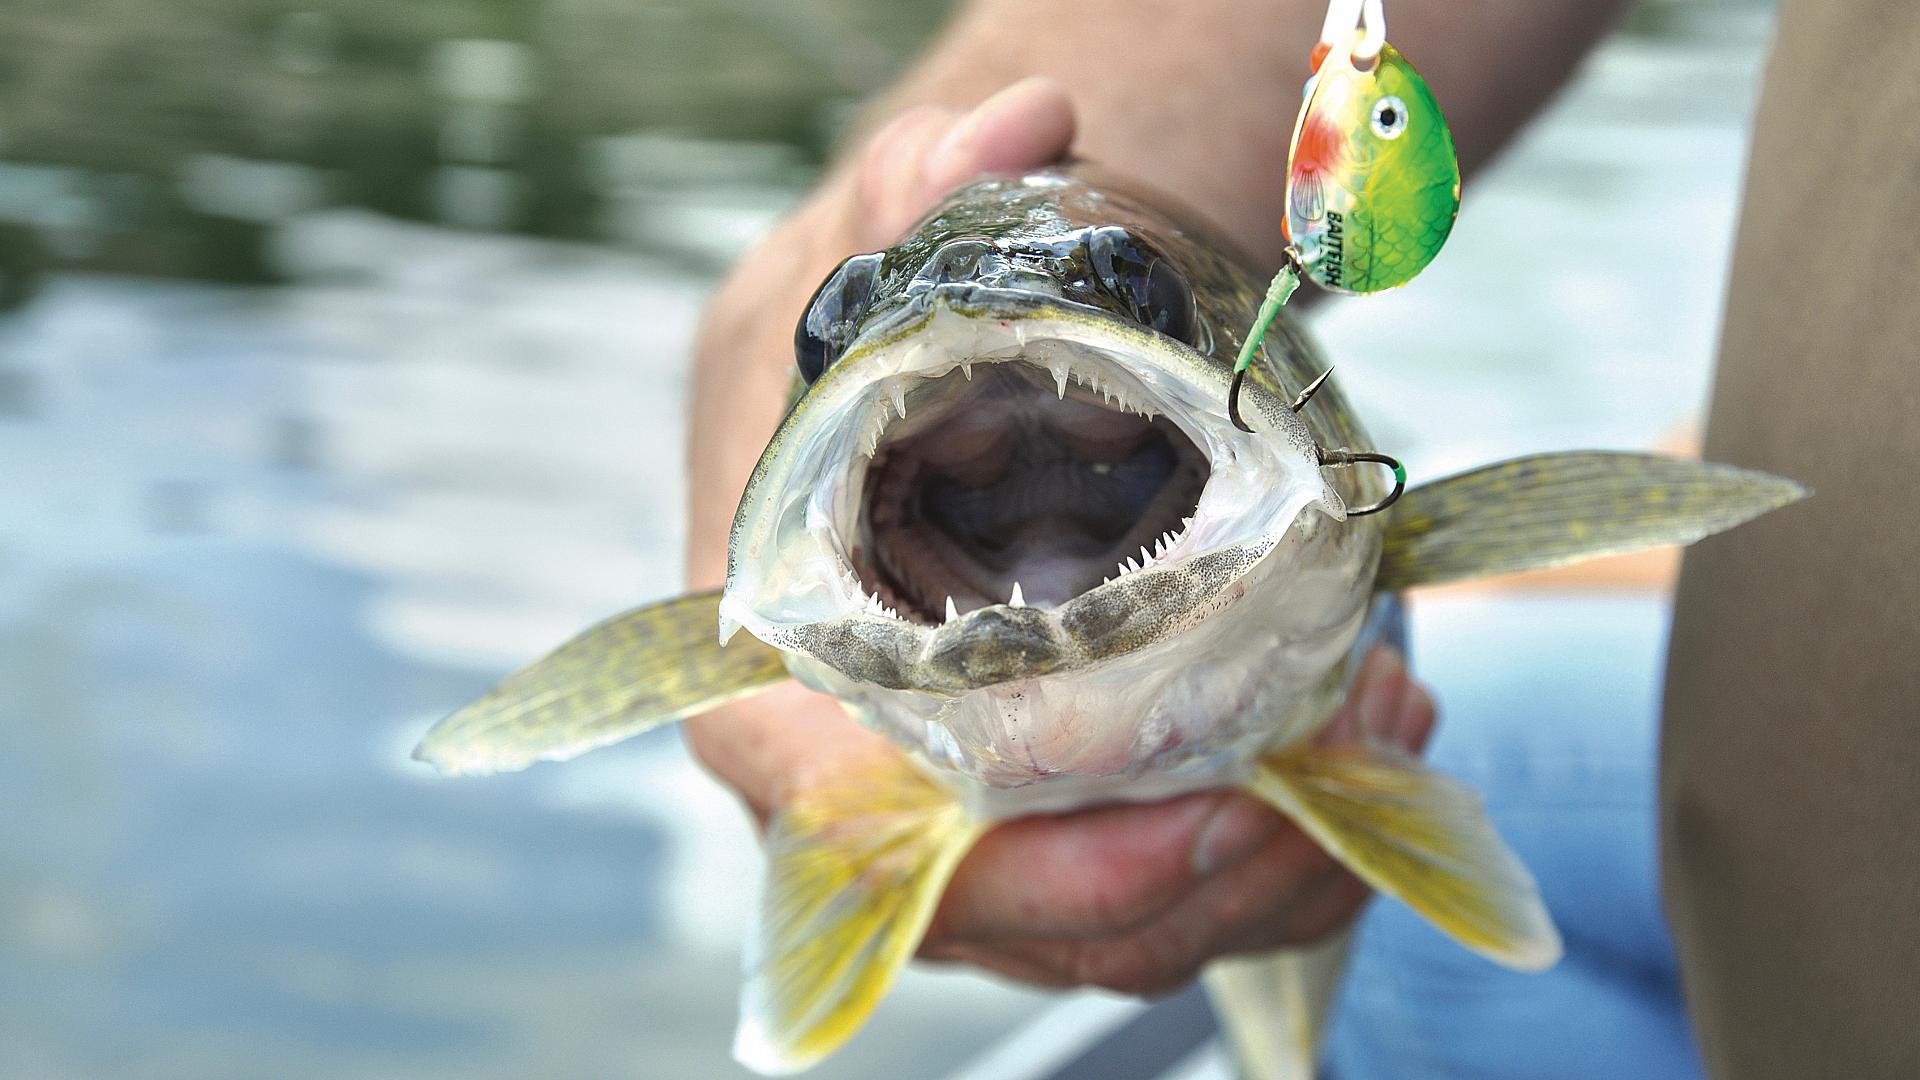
1372, 182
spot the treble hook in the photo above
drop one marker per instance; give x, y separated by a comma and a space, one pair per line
1340, 459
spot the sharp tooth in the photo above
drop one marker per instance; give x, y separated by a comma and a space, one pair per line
966, 368
900, 399
1060, 380
1130, 566
1018, 599
1186, 523
952, 612
1146, 557
1123, 569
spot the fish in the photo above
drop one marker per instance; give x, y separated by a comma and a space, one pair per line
1007, 523
1373, 184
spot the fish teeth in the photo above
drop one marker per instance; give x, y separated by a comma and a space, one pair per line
899, 392
1060, 370
1019, 599
1123, 570
1131, 568
966, 368
1146, 557
952, 611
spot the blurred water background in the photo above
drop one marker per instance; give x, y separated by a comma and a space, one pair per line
342, 368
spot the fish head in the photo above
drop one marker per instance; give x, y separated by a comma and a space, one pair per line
1011, 467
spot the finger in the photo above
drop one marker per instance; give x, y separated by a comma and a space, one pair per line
1289, 894
1385, 706
925, 152
1411, 721
789, 738
1023, 126
1400, 712
1321, 906
890, 185
1098, 872
1142, 965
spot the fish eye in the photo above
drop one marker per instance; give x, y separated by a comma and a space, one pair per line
828, 324
1151, 289
1389, 117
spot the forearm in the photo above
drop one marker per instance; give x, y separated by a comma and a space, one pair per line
1198, 97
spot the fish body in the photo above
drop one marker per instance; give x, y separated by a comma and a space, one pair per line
1373, 185
1008, 523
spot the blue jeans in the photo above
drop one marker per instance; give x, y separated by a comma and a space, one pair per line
1549, 708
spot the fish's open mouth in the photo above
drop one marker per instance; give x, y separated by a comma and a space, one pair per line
1005, 482
985, 488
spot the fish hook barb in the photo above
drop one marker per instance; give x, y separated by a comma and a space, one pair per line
1298, 403
1340, 459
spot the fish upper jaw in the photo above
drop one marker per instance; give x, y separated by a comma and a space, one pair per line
800, 574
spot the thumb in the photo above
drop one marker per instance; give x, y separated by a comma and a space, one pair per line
927, 151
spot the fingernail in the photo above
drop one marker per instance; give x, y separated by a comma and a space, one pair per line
1235, 830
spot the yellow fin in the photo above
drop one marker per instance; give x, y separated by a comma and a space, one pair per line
1274, 1006
855, 872
1419, 837
1553, 509
635, 671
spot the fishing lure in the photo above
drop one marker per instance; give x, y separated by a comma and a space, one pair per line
1373, 185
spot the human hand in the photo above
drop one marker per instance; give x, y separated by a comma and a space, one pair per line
1137, 898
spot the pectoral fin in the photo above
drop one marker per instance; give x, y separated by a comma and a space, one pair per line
855, 872
1418, 837
1552, 509
635, 671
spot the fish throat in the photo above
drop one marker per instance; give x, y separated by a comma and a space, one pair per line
1003, 475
